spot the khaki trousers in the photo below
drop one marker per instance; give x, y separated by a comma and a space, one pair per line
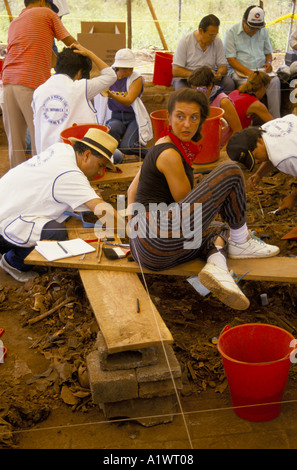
17, 118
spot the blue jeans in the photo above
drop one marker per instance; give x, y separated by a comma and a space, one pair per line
124, 128
15, 255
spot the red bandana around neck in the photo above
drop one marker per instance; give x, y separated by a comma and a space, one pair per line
189, 150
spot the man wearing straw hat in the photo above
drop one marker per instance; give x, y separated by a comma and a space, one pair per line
36, 193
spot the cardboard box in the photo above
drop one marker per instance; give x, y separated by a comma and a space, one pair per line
104, 39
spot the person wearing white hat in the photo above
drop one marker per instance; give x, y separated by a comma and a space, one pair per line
122, 109
248, 48
36, 194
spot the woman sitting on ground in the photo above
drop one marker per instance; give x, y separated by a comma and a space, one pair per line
203, 79
247, 99
122, 110
163, 195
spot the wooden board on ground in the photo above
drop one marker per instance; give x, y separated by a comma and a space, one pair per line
276, 269
113, 296
211, 166
128, 172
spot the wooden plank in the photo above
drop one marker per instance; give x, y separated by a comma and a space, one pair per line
129, 171
276, 269
113, 297
211, 166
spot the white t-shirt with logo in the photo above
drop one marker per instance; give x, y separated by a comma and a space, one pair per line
280, 138
61, 102
40, 190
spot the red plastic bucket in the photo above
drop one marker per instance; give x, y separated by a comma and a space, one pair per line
210, 144
79, 131
256, 360
163, 69
159, 121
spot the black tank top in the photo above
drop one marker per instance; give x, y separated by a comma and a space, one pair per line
153, 187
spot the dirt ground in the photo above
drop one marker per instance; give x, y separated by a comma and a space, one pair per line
45, 399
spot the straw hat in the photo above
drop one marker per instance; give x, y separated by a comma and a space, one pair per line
125, 59
100, 141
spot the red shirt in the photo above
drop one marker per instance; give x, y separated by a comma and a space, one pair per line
242, 102
29, 50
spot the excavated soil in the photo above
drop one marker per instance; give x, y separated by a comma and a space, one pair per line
44, 371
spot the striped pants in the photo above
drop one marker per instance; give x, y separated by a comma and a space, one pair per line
157, 237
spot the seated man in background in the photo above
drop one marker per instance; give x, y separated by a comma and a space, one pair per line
65, 98
248, 48
198, 48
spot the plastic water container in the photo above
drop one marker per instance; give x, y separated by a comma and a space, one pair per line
78, 131
210, 145
256, 360
163, 69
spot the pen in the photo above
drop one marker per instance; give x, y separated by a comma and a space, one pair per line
62, 247
137, 305
117, 244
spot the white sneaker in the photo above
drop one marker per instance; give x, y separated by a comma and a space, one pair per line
253, 248
222, 285
22, 276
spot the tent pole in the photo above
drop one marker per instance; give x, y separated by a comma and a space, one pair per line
8, 10
291, 24
157, 24
129, 24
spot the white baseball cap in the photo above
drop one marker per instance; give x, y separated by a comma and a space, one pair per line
255, 17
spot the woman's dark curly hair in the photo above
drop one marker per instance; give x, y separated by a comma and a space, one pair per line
188, 95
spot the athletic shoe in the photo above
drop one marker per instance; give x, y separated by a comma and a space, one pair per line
21, 276
253, 248
222, 285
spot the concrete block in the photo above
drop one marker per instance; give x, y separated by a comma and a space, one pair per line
125, 359
148, 412
110, 386
167, 367
159, 388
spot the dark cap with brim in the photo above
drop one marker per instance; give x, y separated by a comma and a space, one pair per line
53, 6
239, 149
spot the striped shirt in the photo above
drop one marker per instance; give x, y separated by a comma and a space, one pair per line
29, 50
